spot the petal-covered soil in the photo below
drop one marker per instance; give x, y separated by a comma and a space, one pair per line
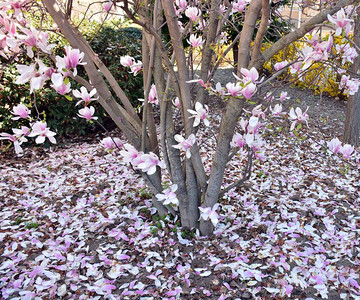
77, 223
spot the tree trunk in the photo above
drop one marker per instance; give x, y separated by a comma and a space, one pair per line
352, 121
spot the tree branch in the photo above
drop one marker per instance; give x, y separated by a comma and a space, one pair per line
262, 30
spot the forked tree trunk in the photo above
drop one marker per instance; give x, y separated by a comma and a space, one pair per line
190, 175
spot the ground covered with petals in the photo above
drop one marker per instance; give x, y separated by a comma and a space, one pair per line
77, 223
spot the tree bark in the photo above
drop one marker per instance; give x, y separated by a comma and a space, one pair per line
230, 118
208, 51
262, 30
247, 33
352, 121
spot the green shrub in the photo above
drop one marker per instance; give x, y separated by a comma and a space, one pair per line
319, 77
110, 44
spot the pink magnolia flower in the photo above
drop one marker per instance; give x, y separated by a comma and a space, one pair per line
84, 95
347, 150
41, 130
295, 67
249, 75
38, 39
350, 86
16, 140
129, 154
9, 26
283, 96
149, 163
21, 111
59, 84
222, 9
218, 90
107, 6
252, 126
341, 22
26, 73
136, 67
168, 196
126, 61
185, 144
238, 140
348, 53
321, 52
277, 111
249, 90
200, 114
195, 41
193, 13
334, 145
72, 59
298, 116
207, 213
258, 112
280, 65
233, 89
176, 103
111, 143
238, 6
23, 131
17, 6
87, 113
153, 96
182, 4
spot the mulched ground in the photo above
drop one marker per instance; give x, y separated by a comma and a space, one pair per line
77, 223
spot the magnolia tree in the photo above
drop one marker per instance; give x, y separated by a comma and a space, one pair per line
169, 144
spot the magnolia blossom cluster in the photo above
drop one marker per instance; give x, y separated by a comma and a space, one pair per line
128, 61
15, 36
200, 114
111, 144
350, 86
318, 52
108, 5
185, 144
335, 146
238, 6
37, 129
168, 196
146, 162
208, 213
245, 86
251, 137
297, 115
342, 24
153, 96
193, 14
348, 53
195, 41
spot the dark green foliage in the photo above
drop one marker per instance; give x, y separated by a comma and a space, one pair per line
110, 43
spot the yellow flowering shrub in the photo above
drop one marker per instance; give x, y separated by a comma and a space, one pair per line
321, 77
